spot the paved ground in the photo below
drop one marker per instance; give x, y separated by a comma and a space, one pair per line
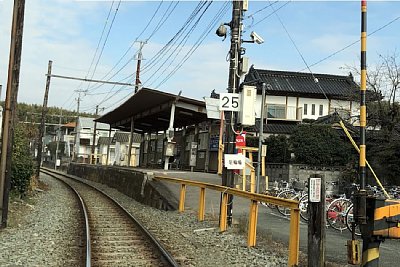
269, 222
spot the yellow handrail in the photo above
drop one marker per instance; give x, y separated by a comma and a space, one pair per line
294, 236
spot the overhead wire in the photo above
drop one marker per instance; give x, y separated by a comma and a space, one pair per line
299, 52
108, 97
97, 48
178, 34
269, 15
353, 43
168, 46
101, 38
161, 22
106, 39
199, 41
178, 48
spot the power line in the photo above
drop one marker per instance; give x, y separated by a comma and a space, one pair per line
162, 21
180, 46
261, 9
353, 43
101, 37
301, 55
167, 47
106, 39
199, 41
269, 15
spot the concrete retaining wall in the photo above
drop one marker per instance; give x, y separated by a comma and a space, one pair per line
135, 184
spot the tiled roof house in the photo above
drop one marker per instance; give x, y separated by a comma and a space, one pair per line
292, 97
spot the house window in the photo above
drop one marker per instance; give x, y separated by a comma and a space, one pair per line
313, 109
305, 109
321, 110
276, 111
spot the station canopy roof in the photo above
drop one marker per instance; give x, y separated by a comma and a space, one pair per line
151, 111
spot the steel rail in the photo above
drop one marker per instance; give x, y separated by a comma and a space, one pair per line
164, 252
85, 214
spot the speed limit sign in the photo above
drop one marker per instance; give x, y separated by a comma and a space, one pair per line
229, 102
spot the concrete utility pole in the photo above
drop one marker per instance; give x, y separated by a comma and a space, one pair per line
76, 139
44, 112
10, 106
58, 136
260, 137
234, 53
92, 157
138, 84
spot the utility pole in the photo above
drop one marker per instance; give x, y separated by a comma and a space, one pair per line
138, 84
44, 111
76, 141
92, 157
10, 106
233, 82
260, 137
58, 136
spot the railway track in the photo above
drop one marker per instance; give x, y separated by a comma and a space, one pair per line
113, 236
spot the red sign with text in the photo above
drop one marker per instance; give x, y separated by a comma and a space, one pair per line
240, 141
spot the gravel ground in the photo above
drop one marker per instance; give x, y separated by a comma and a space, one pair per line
44, 233
47, 238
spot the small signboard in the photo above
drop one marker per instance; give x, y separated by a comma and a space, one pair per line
229, 102
214, 143
234, 161
315, 190
263, 150
240, 141
193, 154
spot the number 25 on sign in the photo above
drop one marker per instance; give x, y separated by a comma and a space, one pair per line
229, 102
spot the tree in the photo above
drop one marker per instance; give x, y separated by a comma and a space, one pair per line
320, 145
384, 115
22, 163
277, 149
383, 84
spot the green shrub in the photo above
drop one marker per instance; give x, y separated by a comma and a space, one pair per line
22, 163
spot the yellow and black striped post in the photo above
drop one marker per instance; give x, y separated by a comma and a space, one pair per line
360, 215
370, 254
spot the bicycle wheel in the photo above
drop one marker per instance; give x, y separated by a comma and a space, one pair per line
272, 194
303, 206
336, 213
350, 220
288, 194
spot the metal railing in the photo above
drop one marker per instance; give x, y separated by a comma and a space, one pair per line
253, 211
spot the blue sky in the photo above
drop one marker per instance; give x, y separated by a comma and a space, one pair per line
68, 32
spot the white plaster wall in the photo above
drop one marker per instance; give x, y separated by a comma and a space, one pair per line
292, 101
317, 103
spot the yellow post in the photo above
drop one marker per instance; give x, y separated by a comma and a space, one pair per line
222, 220
202, 203
251, 235
266, 182
244, 172
262, 166
220, 145
182, 198
294, 237
252, 181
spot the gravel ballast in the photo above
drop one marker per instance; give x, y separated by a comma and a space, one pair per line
49, 237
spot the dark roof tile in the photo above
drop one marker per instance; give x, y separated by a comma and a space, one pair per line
284, 82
